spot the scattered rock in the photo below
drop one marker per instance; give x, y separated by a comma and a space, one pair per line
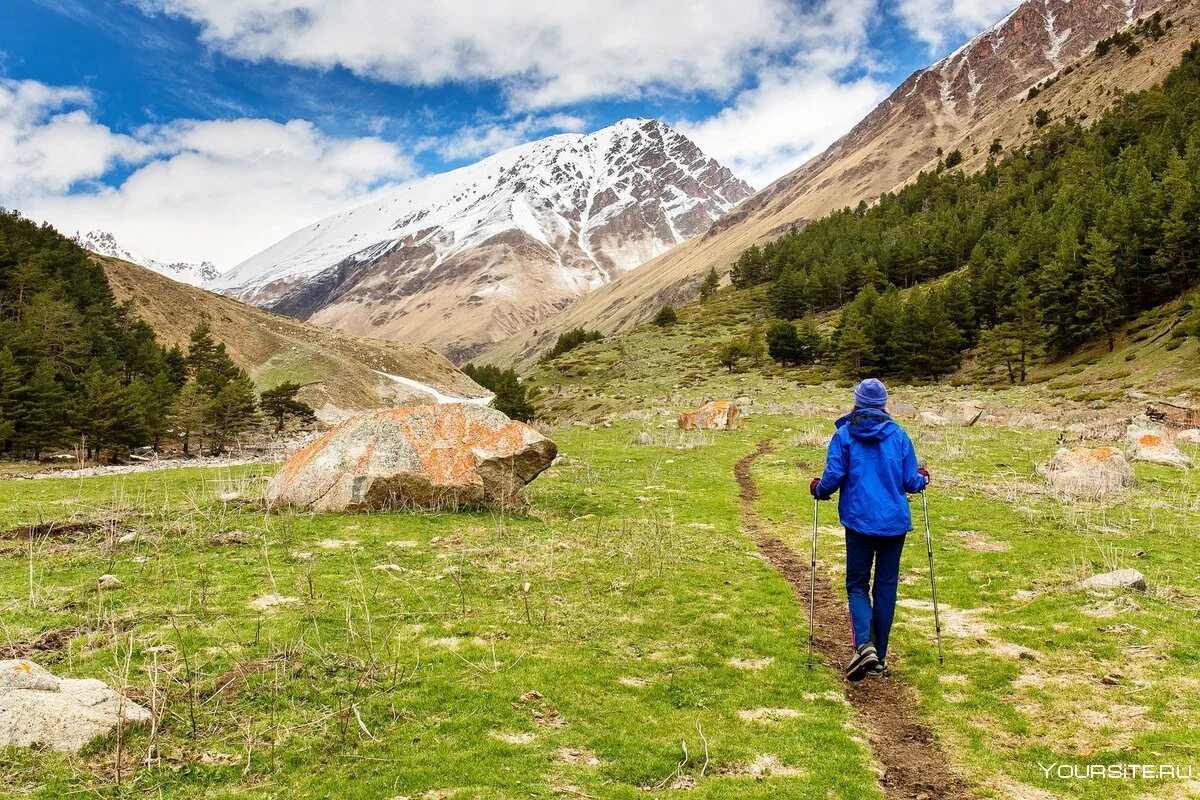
270, 602
110, 582
930, 418
128, 537
64, 714
571, 755
443, 456
229, 537
1153, 446
965, 414
1191, 436
645, 439
715, 416
901, 410
1088, 472
229, 497
1119, 579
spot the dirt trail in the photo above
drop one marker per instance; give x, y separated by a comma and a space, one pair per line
914, 765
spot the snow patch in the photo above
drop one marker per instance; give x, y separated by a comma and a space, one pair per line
440, 398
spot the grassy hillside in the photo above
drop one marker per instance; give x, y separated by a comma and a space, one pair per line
677, 367
337, 368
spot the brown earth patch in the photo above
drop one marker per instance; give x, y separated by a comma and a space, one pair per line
46, 642
913, 762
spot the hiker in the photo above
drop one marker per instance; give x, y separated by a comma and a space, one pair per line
872, 462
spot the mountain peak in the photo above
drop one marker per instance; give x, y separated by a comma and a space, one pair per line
465, 257
105, 244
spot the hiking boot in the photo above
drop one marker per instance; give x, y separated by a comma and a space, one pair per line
878, 671
865, 658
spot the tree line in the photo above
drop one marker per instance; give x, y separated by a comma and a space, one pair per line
78, 370
1048, 248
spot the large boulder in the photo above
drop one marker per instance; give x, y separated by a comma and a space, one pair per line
429, 457
63, 714
1152, 445
716, 416
1190, 436
1087, 472
899, 409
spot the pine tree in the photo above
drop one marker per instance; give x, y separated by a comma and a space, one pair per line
812, 343
783, 344
10, 387
666, 317
41, 411
712, 281
98, 410
188, 414
1099, 304
789, 295
280, 404
231, 413
855, 349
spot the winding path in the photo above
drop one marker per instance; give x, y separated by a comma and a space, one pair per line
913, 762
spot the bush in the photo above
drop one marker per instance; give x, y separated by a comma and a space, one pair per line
573, 338
666, 317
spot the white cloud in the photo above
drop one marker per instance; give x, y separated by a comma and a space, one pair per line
545, 52
202, 190
791, 116
795, 111
479, 141
936, 22
48, 142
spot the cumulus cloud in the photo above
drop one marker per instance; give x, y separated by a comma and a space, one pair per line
796, 110
545, 52
791, 116
214, 190
936, 22
48, 142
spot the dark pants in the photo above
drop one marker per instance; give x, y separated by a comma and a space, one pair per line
872, 607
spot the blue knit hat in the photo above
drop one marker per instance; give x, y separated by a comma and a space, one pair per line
871, 394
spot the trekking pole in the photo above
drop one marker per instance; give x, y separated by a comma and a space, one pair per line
937, 623
812, 581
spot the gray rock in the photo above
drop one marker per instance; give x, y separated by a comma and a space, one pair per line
645, 438
443, 456
902, 410
1153, 446
1087, 472
63, 714
1120, 579
929, 418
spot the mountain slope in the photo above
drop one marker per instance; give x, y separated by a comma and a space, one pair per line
342, 373
103, 243
467, 257
965, 102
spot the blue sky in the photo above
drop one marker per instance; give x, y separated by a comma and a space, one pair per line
208, 129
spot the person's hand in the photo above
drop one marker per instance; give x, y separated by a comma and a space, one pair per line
928, 477
812, 487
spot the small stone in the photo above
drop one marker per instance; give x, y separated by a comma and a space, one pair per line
1112, 679
128, 537
1119, 579
271, 602
110, 582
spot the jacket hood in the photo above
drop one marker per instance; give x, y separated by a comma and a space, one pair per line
868, 425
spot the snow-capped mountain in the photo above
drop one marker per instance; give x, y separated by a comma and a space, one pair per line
105, 244
966, 102
464, 258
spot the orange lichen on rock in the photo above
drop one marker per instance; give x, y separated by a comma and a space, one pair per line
420, 456
718, 415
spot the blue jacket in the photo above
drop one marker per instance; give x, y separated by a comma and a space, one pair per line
872, 461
